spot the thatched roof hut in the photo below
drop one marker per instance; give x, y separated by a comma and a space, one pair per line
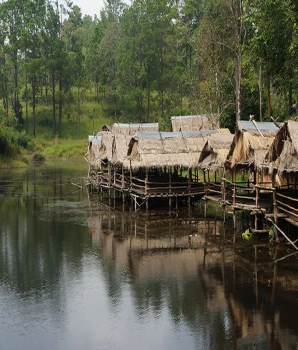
191, 122
251, 144
99, 148
215, 151
158, 149
131, 129
283, 152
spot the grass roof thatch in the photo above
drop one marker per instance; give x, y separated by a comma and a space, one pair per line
215, 151
165, 149
283, 153
191, 122
251, 143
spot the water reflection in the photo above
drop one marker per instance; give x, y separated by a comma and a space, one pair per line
81, 274
181, 266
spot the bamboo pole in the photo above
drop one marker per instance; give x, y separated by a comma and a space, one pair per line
286, 237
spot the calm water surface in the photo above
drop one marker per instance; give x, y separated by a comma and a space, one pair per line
79, 273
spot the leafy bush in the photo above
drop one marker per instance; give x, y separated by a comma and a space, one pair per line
38, 157
23, 139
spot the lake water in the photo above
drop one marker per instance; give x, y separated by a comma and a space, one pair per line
81, 272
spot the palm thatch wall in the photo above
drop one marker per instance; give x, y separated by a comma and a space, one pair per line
283, 153
165, 149
251, 144
192, 122
215, 151
100, 148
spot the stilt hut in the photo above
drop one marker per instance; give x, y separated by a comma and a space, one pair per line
282, 161
191, 123
164, 164
247, 155
212, 162
215, 151
106, 149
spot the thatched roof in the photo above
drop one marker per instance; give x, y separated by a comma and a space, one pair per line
166, 149
283, 153
149, 148
191, 122
99, 148
105, 127
131, 129
215, 151
251, 143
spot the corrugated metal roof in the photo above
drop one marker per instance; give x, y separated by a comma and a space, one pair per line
136, 126
189, 116
164, 135
249, 125
96, 140
199, 132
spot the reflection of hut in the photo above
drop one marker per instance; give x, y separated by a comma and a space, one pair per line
191, 122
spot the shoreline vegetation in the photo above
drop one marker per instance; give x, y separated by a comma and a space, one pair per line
47, 150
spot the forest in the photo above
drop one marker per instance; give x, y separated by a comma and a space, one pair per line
144, 62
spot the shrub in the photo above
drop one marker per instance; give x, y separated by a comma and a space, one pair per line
38, 157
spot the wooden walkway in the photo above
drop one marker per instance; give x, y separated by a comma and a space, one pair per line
147, 185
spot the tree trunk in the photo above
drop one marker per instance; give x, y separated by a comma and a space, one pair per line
268, 97
60, 107
53, 106
26, 106
260, 92
33, 85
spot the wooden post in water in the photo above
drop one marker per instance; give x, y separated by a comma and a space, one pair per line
234, 224
189, 185
234, 182
170, 191
109, 178
224, 198
146, 188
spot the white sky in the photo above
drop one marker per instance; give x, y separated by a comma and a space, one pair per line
89, 7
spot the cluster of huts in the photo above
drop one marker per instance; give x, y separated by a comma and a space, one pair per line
254, 169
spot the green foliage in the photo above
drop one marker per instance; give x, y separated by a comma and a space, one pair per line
144, 63
38, 158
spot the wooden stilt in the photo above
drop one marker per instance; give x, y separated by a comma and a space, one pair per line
234, 224
109, 178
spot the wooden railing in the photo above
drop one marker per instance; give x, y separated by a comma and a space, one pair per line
238, 194
287, 205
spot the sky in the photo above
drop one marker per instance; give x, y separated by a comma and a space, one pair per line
89, 7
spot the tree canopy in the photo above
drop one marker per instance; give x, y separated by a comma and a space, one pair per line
149, 60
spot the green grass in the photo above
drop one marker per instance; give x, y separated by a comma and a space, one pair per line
76, 125
64, 148
8, 163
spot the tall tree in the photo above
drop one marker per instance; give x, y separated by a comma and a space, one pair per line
271, 33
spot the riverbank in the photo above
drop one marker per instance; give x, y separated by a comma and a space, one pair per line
44, 150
